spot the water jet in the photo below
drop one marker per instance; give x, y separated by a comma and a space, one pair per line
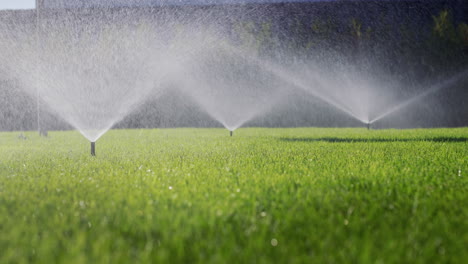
79, 75
450, 82
229, 85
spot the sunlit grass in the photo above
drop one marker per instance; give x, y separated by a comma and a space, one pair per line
263, 196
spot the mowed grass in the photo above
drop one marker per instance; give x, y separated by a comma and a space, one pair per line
263, 196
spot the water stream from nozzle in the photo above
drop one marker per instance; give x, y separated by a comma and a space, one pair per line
433, 89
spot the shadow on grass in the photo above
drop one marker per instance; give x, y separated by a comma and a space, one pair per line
358, 140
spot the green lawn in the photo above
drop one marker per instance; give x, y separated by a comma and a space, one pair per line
263, 196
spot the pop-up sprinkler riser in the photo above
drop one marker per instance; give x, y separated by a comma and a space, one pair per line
93, 149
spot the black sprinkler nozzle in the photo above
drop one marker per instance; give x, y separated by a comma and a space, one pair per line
231, 133
93, 148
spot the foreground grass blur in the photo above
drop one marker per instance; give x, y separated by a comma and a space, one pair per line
265, 195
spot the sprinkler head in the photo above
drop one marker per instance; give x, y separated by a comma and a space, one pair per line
231, 133
93, 149
368, 126
43, 133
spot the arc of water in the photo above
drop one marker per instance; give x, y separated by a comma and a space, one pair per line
294, 80
218, 111
447, 83
20, 47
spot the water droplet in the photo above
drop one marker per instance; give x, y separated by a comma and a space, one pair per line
274, 242
170, 187
346, 222
263, 214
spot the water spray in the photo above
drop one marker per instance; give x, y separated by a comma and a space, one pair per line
93, 149
435, 88
231, 133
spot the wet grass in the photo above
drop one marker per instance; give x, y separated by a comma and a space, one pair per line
262, 196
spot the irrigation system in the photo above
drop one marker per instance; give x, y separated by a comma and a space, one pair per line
94, 71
